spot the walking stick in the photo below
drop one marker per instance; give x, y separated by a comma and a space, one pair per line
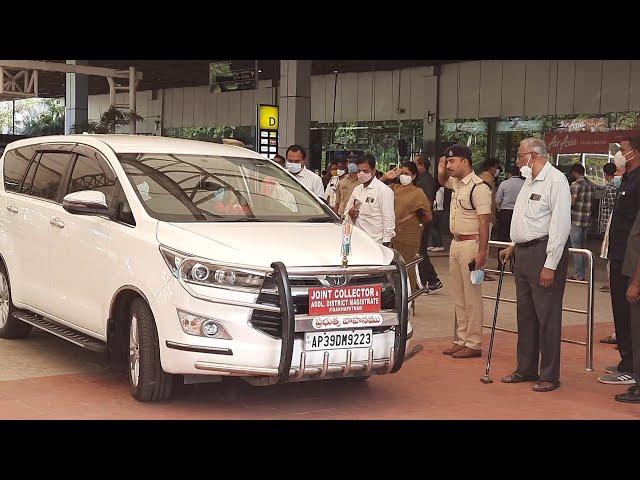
486, 378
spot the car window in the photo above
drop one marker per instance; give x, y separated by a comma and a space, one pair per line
45, 175
88, 174
16, 162
209, 188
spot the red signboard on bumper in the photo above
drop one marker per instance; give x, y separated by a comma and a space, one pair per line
355, 299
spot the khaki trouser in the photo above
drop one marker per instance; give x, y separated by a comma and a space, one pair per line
467, 296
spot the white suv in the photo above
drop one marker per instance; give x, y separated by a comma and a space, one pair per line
191, 259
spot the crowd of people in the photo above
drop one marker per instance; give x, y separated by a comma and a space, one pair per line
395, 208
535, 209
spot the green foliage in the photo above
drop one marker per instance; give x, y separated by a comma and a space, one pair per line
50, 121
108, 122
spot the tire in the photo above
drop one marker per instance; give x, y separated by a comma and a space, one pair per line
147, 381
10, 327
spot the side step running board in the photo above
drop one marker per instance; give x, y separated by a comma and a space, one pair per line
61, 331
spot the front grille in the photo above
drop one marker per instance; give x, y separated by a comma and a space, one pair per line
271, 323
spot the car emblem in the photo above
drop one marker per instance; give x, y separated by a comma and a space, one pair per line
333, 280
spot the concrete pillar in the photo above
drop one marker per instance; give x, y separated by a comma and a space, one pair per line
295, 104
76, 110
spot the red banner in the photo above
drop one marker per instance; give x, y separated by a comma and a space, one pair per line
585, 142
356, 299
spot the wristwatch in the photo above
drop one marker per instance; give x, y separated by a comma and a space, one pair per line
387, 244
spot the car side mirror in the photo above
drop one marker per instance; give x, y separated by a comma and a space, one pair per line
86, 202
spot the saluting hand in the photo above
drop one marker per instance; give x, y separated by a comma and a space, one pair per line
547, 276
442, 165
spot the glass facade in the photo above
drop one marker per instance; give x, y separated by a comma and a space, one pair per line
390, 141
500, 137
245, 134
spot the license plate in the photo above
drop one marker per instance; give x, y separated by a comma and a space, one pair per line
338, 339
350, 300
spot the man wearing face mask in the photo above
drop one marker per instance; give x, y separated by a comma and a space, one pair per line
540, 230
347, 184
469, 224
296, 158
609, 194
371, 206
338, 171
624, 214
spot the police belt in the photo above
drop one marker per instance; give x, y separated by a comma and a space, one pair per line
532, 242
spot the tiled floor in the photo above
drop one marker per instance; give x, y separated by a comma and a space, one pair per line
43, 377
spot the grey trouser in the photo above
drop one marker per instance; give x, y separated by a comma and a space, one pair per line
539, 312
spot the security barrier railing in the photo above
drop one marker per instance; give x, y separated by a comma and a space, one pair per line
589, 312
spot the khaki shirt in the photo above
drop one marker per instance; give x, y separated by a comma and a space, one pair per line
344, 191
463, 219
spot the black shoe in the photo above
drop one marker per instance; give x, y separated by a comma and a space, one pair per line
518, 378
544, 386
435, 287
630, 396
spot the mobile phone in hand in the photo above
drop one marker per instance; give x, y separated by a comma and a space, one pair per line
472, 265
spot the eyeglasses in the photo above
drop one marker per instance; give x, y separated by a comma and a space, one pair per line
528, 153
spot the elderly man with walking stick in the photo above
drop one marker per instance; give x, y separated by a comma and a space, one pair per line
540, 230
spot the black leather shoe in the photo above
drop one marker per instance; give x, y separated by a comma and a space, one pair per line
545, 386
630, 396
516, 377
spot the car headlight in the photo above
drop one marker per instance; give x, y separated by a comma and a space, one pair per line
202, 326
209, 274
173, 259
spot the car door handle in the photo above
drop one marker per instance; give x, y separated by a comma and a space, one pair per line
12, 209
56, 222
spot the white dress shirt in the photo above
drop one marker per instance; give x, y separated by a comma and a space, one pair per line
377, 216
312, 181
543, 207
439, 203
330, 192
508, 192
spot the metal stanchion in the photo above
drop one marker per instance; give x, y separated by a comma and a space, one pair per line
589, 312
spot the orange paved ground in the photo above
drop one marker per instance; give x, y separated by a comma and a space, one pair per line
430, 386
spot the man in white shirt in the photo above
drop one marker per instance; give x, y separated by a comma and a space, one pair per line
296, 159
540, 230
331, 193
371, 206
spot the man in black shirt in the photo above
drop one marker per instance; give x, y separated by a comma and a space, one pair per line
428, 184
624, 214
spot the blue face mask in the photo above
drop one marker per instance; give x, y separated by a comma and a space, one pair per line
294, 168
353, 167
477, 276
617, 181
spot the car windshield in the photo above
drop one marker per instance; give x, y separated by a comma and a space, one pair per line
207, 188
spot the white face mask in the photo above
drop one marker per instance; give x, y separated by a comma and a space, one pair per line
405, 179
620, 160
526, 171
341, 172
364, 177
294, 168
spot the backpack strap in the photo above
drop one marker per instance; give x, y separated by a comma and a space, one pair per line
473, 188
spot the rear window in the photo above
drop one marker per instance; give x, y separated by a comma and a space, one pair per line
16, 162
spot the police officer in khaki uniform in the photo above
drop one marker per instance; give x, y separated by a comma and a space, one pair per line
469, 223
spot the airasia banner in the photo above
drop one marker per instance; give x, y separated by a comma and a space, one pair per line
356, 299
584, 142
